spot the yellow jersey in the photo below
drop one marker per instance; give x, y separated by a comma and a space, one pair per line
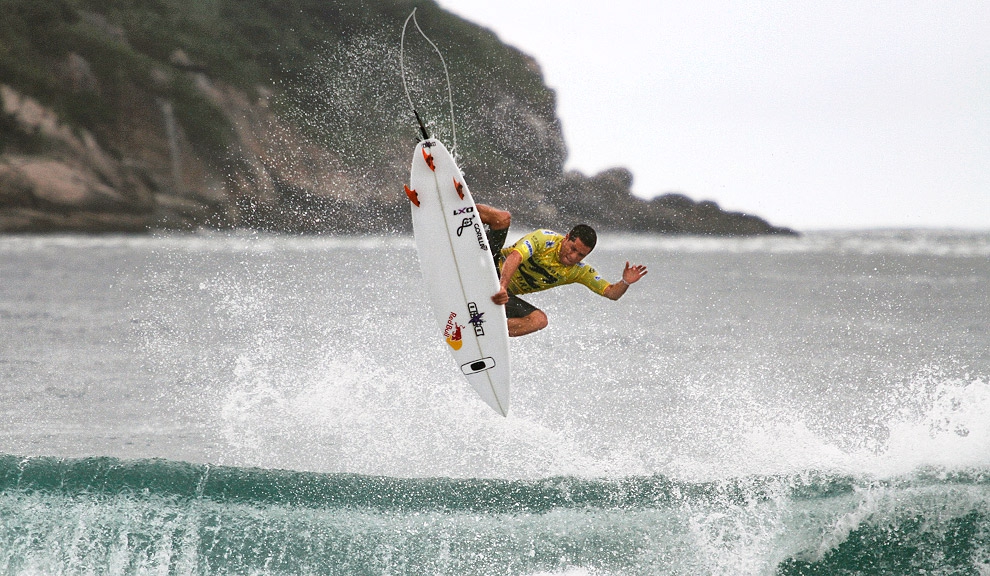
541, 268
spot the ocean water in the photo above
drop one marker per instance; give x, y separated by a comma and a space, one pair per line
257, 404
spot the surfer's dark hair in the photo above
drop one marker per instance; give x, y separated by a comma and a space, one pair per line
586, 234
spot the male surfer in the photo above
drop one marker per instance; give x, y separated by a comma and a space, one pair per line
543, 259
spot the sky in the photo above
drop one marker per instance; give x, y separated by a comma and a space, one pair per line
814, 115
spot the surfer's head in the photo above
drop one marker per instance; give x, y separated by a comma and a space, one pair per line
578, 243
586, 234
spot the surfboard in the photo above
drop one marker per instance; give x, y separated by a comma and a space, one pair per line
459, 273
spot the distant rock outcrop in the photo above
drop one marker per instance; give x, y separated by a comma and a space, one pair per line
606, 201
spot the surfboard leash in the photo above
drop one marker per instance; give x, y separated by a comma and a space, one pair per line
405, 85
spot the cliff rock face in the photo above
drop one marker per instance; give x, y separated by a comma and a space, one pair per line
111, 137
61, 179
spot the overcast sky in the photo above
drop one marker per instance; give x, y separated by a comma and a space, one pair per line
811, 114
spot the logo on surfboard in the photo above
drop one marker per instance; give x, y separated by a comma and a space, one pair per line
479, 235
452, 332
476, 319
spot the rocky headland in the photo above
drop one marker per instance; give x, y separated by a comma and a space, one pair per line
285, 117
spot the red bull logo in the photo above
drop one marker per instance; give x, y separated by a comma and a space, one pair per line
452, 332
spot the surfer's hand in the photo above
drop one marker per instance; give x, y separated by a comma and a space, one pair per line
632, 274
501, 297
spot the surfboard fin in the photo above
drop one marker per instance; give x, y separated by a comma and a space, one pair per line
413, 196
459, 187
429, 160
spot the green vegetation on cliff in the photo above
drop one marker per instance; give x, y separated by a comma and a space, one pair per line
130, 48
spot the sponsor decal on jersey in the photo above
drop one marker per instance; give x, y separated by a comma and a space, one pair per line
452, 332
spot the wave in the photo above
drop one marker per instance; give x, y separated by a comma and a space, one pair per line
104, 515
163, 478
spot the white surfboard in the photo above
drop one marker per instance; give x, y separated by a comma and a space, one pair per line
459, 273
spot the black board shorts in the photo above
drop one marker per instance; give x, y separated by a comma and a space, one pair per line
516, 307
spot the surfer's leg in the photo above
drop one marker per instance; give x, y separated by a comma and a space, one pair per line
523, 317
495, 219
496, 228
528, 324
496, 240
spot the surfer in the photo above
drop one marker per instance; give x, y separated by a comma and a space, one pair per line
544, 259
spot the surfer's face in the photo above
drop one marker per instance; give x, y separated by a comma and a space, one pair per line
572, 251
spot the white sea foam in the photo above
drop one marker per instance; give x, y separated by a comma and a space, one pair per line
314, 353
943, 426
367, 419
